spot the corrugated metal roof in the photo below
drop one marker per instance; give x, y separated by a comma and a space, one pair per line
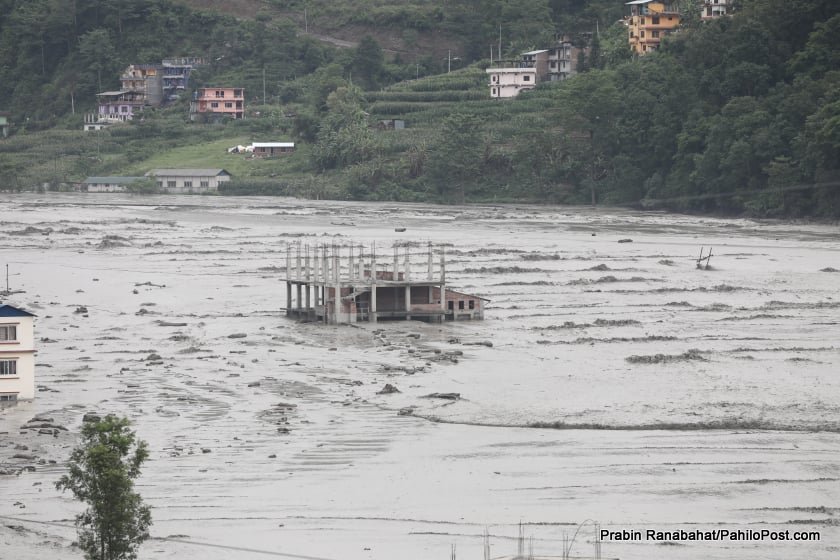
111, 180
186, 172
273, 144
115, 92
638, 2
12, 311
534, 52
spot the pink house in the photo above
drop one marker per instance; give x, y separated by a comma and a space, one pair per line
218, 102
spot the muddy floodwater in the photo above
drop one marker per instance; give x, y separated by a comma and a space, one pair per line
612, 381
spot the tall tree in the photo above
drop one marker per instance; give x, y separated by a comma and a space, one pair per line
102, 470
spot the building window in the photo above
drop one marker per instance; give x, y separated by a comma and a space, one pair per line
228, 105
642, 34
526, 78
8, 397
214, 105
187, 184
643, 21
495, 79
472, 304
8, 367
160, 184
124, 109
220, 93
493, 91
654, 20
205, 184
170, 184
460, 304
450, 305
654, 34
7, 333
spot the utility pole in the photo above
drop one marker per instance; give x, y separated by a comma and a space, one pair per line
263, 85
500, 41
7, 279
449, 61
305, 21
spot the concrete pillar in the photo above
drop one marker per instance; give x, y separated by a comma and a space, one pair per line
316, 267
443, 280
288, 262
308, 303
431, 267
307, 271
299, 298
407, 266
396, 265
288, 298
408, 301
297, 276
373, 316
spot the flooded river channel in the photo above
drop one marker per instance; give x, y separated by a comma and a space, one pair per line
612, 381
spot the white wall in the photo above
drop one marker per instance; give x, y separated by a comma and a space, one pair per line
22, 351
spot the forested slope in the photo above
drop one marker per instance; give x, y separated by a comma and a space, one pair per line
736, 115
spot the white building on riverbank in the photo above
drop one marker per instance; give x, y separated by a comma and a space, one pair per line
17, 354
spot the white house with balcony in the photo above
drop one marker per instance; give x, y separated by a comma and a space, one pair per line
17, 354
508, 82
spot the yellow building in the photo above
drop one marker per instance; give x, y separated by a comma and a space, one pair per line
649, 22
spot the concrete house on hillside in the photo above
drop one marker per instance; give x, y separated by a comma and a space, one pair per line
146, 80
182, 181
17, 354
713, 9
649, 22
4, 124
218, 102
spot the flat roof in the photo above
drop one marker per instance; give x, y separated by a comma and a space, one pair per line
529, 70
187, 172
273, 144
534, 52
110, 180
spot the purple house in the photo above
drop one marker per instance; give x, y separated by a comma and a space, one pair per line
119, 105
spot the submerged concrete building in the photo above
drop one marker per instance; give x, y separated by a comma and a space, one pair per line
347, 284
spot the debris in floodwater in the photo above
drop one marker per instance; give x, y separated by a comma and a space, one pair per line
829, 269
170, 324
625, 241
388, 389
81, 309
237, 335
686, 356
445, 396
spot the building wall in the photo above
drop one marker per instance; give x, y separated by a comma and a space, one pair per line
192, 184
508, 82
22, 352
228, 102
713, 9
650, 23
106, 187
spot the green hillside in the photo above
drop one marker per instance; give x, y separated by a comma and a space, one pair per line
735, 115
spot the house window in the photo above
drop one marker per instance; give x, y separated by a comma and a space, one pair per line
170, 184
654, 34
214, 105
654, 20
8, 367
124, 109
8, 332
526, 78
220, 93
643, 21
450, 305
460, 304
160, 184
495, 79
205, 184
187, 184
493, 91
228, 105
472, 304
8, 397
642, 34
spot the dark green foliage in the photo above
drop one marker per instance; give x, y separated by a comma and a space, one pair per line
101, 474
